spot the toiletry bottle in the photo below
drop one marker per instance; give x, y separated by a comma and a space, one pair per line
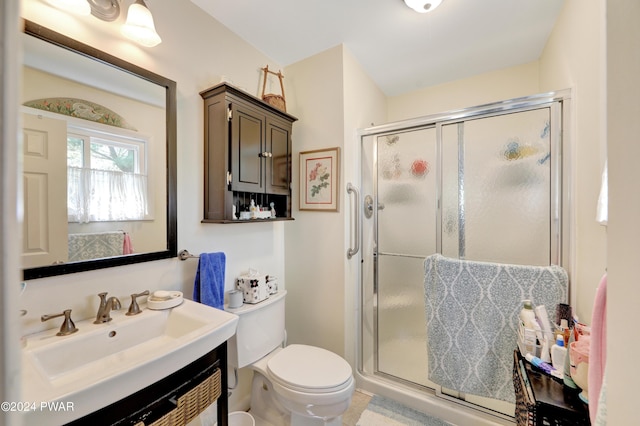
568, 381
543, 319
527, 315
566, 332
544, 352
558, 353
253, 209
538, 330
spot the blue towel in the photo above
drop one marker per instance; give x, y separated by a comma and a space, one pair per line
208, 287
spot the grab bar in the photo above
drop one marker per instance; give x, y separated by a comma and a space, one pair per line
352, 251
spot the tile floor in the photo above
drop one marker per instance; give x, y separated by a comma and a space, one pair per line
359, 403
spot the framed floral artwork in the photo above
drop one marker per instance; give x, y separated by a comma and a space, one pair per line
319, 179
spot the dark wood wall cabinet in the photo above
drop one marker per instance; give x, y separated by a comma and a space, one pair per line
247, 154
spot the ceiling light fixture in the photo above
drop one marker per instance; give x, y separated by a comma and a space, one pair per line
139, 26
423, 6
78, 7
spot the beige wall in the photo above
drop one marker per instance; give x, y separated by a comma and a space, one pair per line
623, 232
10, 378
333, 97
574, 58
313, 242
494, 86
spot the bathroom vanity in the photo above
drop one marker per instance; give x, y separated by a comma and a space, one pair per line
158, 365
247, 156
174, 400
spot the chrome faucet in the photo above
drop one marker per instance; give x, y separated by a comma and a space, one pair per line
104, 310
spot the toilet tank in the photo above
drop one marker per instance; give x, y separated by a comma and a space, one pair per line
260, 330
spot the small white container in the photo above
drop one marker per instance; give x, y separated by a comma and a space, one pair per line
241, 418
236, 299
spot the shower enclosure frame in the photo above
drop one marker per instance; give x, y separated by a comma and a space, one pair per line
409, 393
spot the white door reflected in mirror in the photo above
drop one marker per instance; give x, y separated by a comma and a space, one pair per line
45, 191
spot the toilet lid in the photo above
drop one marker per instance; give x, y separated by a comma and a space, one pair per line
308, 368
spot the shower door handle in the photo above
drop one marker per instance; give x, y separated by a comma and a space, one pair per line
352, 251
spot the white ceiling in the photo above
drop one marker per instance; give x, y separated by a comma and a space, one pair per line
400, 49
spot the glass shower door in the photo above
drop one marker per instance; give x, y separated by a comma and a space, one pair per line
484, 187
406, 233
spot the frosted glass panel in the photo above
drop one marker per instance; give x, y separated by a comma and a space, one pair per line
451, 219
507, 181
407, 192
402, 333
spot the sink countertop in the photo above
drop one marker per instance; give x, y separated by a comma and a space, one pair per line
61, 391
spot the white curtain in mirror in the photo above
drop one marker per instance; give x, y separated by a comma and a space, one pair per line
105, 195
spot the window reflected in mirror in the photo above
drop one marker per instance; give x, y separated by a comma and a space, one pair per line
99, 170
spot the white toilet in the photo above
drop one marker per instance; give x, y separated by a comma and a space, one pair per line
294, 385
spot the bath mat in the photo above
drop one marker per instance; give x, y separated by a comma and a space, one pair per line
385, 412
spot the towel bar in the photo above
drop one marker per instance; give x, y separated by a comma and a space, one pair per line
184, 255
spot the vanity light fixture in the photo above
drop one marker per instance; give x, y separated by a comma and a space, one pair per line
423, 6
78, 7
139, 26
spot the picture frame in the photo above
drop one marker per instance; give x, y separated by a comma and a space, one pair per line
319, 179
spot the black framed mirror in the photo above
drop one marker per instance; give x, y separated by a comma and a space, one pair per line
161, 219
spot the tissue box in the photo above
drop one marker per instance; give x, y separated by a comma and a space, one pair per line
254, 287
272, 284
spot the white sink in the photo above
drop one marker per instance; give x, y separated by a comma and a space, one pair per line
103, 363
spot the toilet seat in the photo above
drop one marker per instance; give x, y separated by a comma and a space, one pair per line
309, 369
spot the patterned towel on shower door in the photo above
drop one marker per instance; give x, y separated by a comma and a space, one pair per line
472, 311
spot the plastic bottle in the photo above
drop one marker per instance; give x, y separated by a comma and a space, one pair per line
568, 381
543, 319
558, 353
544, 352
527, 315
564, 326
